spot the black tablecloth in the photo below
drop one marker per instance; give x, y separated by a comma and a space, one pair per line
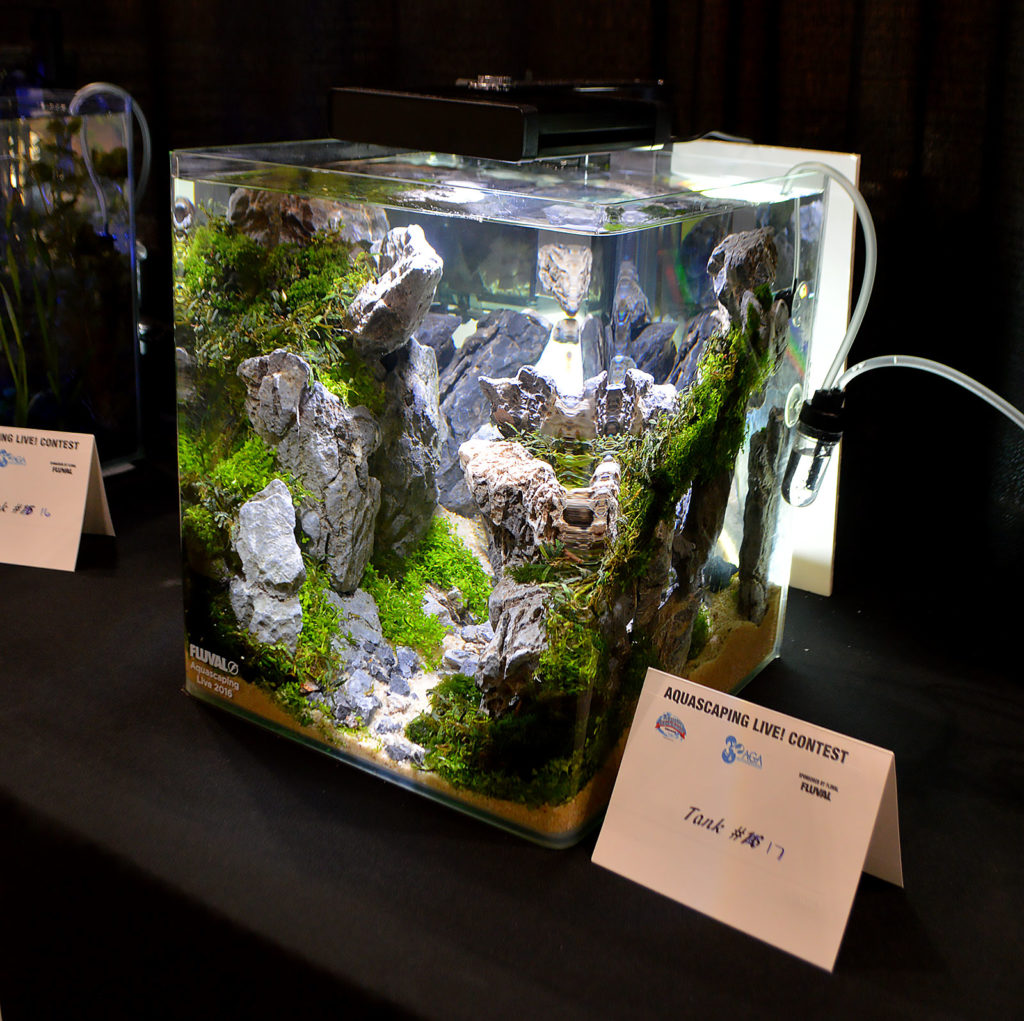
160, 857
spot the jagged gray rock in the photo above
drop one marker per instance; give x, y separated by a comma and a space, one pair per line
360, 643
355, 702
453, 493
701, 329
593, 347
387, 312
265, 599
768, 449
501, 343
460, 661
742, 262
407, 461
265, 540
436, 332
564, 271
518, 616
272, 219
654, 349
325, 445
518, 496
531, 401
630, 309
274, 386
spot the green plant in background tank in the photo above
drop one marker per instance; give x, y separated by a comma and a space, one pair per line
66, 311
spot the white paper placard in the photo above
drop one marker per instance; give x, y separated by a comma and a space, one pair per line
755, 818
51, 490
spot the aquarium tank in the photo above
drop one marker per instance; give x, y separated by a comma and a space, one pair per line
465, 447
68, 284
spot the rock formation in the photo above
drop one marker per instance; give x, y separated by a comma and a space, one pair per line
769, 448
564, 271
518, 616
327, 447
501, 343
436, 332
531, 402
630, 310
740, 264
272, 219
265, 598
407, 461
387, 311
519, 498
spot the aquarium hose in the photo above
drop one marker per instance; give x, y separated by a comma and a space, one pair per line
867, 225
820, 426
106, 88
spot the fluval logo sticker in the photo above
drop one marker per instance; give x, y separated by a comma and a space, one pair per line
6, 458
735, 752
671, 727
229, 666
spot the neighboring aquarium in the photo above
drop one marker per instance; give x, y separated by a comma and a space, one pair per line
466, 447
68, 287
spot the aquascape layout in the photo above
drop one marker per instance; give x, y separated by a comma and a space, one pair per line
450, 487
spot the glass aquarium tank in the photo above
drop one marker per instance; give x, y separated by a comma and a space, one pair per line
68, 286
466, 446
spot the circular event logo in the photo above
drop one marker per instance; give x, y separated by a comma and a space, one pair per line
670, 727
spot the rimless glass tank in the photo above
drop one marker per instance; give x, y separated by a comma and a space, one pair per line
466, 446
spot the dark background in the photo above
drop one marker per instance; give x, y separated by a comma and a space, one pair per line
931, 523
930, 93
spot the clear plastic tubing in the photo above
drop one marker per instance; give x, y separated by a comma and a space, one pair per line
927, 365
106, 88
867, 225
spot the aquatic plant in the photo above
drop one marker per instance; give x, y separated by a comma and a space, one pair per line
400, 607
441, 559
65, 289
285, 675
543, 754
215, 481
238, 299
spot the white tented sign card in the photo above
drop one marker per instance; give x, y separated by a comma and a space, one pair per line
755, 818
51, 490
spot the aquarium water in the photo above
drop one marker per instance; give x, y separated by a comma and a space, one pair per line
465, 447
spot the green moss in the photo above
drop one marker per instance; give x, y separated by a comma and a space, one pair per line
225, 265
444, 560
315, 657
701, 632
236, 299
697, 443
247, 471
544, 753
199, 527
398, 587
351, 380
402, 620
215, 483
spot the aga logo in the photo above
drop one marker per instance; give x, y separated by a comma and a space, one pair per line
671, 727
735, 752
6, 458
